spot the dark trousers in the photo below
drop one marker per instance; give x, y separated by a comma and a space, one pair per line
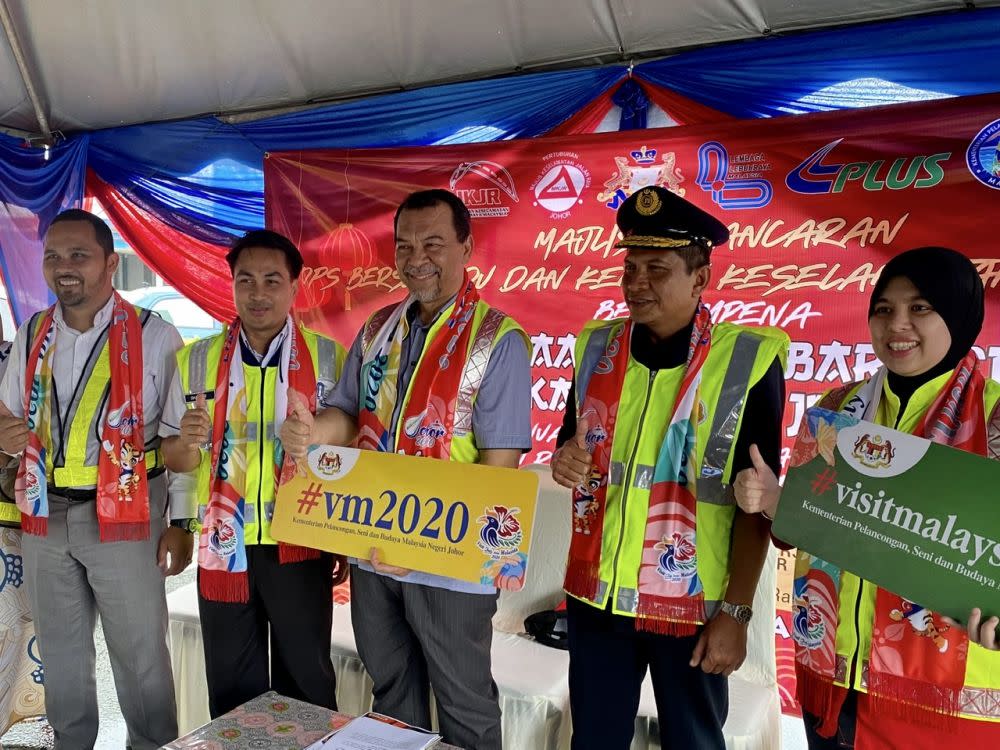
608, 659
290, 616
846, 726
413, 637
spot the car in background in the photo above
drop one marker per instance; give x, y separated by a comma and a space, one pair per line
190, 320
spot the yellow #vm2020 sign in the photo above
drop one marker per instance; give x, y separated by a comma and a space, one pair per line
465, 521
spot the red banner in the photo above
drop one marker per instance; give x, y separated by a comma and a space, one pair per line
815, 204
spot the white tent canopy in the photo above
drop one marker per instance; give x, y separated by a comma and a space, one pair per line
85, 64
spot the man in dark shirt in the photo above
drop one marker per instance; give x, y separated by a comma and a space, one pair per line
665, 410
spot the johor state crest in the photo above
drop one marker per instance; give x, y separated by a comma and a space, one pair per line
638, 170
500, 532
874, 452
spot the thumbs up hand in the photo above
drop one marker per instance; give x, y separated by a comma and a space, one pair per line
756, 488
296, 432
572, 462
13, 432
196, 425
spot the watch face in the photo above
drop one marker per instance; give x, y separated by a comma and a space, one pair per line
739, 612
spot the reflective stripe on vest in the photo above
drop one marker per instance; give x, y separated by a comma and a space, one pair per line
325, 364
9, 514
728, 409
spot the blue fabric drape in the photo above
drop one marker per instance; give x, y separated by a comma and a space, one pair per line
34, 187
204, 177
634, 105
928, 57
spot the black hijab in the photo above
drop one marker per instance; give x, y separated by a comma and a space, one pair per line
950, 283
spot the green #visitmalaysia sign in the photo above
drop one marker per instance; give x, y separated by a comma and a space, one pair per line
917, 518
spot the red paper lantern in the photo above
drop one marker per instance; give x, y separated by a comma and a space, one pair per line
347, 248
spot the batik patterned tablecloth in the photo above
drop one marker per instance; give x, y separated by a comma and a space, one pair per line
268, 722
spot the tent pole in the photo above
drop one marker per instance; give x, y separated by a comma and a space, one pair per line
22, 66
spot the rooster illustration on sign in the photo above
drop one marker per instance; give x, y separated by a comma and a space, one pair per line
500, 533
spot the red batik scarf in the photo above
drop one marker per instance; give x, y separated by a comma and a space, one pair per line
671, 600
917, 664
428, 418
122, 490
222, 574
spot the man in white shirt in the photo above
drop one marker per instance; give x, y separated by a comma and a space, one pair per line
94, 546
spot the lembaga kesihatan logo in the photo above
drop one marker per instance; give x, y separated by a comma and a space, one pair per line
500, 532
983, 155
873, 451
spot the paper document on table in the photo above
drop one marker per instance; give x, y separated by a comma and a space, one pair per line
377, 732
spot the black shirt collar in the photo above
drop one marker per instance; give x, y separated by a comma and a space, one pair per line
661, 355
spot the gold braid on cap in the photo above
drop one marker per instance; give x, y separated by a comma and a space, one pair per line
638, 240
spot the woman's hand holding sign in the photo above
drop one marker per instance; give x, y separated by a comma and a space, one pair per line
983, 632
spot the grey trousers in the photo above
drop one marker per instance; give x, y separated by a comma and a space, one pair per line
73, 577
410, 636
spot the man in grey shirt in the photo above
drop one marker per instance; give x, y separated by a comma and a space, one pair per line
413, 629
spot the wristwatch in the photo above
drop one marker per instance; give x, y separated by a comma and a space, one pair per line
739, 612
190, 525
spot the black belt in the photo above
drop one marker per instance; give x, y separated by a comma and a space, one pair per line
74, 495
77, 495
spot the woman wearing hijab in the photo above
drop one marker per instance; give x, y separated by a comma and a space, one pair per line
891, 674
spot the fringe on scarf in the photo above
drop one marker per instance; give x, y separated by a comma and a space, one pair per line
820, 697
34, 525
914, 701
223, 586
292, 553
677, 617
658, 626
582, 579
123, 532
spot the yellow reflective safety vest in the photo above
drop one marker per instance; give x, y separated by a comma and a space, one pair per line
66, 464
254, 436
738, 359
489, 325
856, 613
